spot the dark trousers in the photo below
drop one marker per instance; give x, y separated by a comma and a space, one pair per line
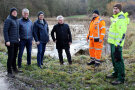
12, 54
119, 67
41, 50
67, 50
28, 44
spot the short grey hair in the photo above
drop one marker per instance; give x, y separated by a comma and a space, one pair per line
25, 10
60, 17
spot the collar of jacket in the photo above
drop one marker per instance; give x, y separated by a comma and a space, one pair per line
95, 18
60, 24
25, 20
38, 21
12, 17
120, 13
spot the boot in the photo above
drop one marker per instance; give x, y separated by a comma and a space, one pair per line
17, 71
111, 76
70, 63
97, 64
10, 75
117, 82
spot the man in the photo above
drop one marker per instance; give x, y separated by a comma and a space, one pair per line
63, 39
116, 38
26, 36
41, 36
11, 36
96, 36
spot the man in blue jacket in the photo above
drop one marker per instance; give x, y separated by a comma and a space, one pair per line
41, 36
26, 36
11, 36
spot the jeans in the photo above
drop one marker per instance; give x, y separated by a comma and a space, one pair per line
41, 50
28, 44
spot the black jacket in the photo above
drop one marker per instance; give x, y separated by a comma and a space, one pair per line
41, 31
11, 29
63, 36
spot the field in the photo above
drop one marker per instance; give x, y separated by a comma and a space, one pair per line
78, 76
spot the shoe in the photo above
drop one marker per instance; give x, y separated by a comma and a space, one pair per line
61, 63
111, 76
28, 64
70, 63
97, 64
18, 71
10, 75
117, 82
40, 67
91, 63
19, 66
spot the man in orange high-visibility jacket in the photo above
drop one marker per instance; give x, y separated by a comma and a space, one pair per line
96, 36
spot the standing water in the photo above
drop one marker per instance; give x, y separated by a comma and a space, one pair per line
79, 34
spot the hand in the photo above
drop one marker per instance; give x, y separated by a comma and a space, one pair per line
70, 43
33, 42
117, 48
55, 41
87, 39
38, 43
100, 41
8, 43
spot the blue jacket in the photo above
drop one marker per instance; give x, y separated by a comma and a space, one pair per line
41, 31
11, 29
25, 29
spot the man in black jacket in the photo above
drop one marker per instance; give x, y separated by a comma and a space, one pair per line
11, 36
63, 39
41, 36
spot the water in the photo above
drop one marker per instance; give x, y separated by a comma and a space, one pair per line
4, 82
79, 33
74, 48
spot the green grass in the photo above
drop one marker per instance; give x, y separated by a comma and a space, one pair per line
77, 16
77, 76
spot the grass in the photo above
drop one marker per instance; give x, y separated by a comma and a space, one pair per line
77, 16
78, 76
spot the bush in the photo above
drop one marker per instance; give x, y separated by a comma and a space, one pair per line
127, 7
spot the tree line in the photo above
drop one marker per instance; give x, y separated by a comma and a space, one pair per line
53, 8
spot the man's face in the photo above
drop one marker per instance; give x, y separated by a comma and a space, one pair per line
60, 21
95, 15
14, 13
25, 14
41, 16
115, 10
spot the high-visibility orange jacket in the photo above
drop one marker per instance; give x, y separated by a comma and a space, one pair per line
96, 29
